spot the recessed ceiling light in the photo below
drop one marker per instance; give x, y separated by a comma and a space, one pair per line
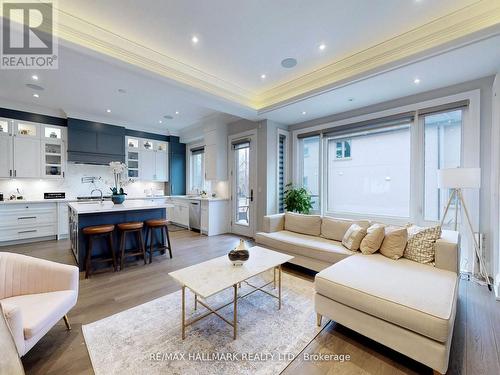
194, 39
108, 110
416, 81
304, 112
289, 62
322, 46
263, 76
36, 95
34, 87
177, 112
160, 122
34, 77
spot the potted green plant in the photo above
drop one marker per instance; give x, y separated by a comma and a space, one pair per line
298, 199
118, 169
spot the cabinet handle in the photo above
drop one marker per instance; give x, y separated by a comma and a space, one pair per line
10, 172
15, 173
26, 217
27, 231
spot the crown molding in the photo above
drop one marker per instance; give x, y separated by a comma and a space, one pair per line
88, 35
469, 24
477, 21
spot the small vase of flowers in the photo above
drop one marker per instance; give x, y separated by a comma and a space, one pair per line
118, 169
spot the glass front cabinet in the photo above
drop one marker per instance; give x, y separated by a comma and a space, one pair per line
132, 158
53, 150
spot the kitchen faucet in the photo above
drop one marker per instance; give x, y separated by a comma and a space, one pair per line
100, 191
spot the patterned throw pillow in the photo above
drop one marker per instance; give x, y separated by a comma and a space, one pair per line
353, 237
420, 246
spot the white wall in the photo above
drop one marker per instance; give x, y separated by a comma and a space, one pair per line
495, 161
72, 184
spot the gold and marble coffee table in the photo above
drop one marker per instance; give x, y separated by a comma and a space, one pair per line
215, 275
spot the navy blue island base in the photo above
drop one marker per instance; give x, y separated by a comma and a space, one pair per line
100, 246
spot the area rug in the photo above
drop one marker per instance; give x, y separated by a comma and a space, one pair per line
146, 339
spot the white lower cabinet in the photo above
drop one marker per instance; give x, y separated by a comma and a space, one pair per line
62, 220
21, 221
179, 213
214, 217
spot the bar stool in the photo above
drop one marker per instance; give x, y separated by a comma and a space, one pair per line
161, 224
134, 227
92, 234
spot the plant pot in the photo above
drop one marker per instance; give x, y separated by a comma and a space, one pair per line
118, 198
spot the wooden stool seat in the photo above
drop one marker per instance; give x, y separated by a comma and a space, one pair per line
155, 223
133, 227
151, 227
93, 233
99, 229
130, 226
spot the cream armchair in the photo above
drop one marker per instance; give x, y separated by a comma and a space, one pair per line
35, 294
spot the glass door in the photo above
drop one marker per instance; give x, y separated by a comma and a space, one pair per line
243, 191
52, 159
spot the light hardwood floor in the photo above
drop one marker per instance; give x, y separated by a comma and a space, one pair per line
475, 348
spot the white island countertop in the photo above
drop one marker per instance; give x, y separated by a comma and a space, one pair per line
107, 206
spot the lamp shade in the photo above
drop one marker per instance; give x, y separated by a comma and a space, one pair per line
459, 178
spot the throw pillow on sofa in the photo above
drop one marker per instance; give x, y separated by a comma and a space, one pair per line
335, 229
394, 242
353, 237
420, 246
305, 224
373, 239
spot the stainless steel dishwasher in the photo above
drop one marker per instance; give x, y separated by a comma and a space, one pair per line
194, 214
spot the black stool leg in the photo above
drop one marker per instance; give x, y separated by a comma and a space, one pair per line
141, 242
168, 241
122, 250
88, 263
112, 250
163, 244
151, 245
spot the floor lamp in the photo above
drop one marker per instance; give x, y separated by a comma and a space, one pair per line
458, 179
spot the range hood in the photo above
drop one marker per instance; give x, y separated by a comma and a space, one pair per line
94, 142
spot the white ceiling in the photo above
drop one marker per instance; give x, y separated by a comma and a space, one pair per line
240, 40
461, 65
237, 44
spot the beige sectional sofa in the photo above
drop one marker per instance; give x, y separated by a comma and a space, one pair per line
407, 306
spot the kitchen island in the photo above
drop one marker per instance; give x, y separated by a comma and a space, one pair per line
86, 214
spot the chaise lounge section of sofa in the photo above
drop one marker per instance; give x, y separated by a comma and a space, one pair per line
407, 306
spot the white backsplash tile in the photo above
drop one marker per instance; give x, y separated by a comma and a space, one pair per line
72, 184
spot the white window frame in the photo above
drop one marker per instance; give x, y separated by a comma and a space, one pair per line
189, 174
470, 155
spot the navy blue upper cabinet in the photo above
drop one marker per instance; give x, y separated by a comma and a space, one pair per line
177, 168
95, 142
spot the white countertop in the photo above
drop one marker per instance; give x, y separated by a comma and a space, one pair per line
73, 199
107, 206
